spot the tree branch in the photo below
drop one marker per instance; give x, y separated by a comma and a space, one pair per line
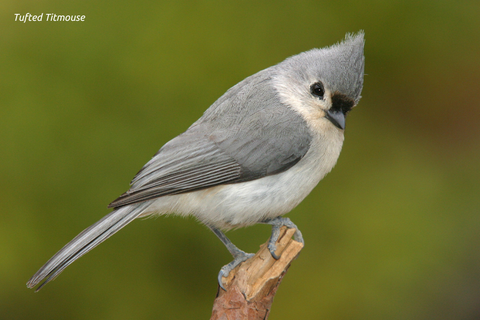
252, 285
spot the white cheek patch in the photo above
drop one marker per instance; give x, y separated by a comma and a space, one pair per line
290, 91
296, 95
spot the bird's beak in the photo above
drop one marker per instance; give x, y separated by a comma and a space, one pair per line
337, 118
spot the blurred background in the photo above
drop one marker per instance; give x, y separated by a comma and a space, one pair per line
391, 233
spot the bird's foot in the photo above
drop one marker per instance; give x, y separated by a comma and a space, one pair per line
277, 223
240, 257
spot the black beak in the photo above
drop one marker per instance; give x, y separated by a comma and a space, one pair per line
337, 118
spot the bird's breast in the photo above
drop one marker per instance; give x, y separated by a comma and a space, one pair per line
241, 204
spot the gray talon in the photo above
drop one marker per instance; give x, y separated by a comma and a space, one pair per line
298, 236
220, 276
277, 223
238, 256
225, 271
272, 248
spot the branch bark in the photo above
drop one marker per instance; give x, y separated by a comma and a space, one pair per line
252, 285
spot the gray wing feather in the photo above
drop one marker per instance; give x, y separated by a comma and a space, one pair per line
188, 162
257, 129
245, 135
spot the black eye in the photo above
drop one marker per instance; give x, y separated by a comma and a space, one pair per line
317, 89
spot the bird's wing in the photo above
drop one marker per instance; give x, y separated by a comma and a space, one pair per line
251, 137
184, 164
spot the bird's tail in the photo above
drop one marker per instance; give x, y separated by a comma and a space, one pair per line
86, 241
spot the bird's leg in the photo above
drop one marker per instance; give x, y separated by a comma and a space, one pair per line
277, 223
238, 255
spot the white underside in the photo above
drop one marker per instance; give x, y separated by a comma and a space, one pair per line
242, 204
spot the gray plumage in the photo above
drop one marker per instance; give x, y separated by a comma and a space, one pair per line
220, 147
252, 157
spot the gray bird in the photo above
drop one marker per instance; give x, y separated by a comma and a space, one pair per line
252, 157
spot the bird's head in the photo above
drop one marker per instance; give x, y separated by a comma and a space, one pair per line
324, 82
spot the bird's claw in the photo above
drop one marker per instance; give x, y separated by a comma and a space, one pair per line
277, 223
272, 247
222, 274
225, 271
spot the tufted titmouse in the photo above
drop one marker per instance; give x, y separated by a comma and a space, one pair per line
253, 156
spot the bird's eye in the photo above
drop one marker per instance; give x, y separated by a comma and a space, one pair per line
317, 89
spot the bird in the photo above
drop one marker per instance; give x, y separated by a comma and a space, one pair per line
251, 158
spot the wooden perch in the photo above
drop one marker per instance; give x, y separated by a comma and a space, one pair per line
252, 285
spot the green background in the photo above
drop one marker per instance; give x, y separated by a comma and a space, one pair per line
391, 233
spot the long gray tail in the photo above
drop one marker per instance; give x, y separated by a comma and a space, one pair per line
86, 241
